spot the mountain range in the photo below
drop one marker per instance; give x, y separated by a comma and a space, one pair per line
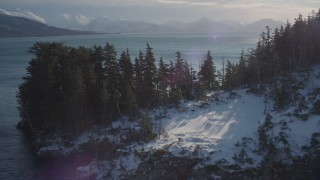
26, 23
203, 25
117, 24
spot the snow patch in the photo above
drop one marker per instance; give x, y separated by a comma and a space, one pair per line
25, 14
83, 20
66, 16
87, 171
211, 131
78, 18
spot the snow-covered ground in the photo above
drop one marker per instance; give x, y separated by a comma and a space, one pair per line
214, 129
218, 129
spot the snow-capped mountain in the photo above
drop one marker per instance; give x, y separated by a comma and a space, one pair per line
25, 14
73, 21
16, 26
80, 19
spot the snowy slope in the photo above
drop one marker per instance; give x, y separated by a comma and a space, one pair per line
223, 128
214, 128
80, 19
25, 14
71, 21
219, 129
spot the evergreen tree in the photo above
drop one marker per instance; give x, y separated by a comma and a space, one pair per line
99, 97
229, 82
207, 73
178, 71
315, 36
300, 44
177, 76
128, 102
113, 81
39, 96
162, 82
149, 76
242, 70
126, 66
187, 84
138, 77
73, 93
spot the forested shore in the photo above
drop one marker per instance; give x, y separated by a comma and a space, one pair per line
68, 90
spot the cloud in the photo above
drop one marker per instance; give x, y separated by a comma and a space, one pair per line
313, 1
172, 2
189, 2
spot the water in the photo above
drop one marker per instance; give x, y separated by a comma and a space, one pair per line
16, 160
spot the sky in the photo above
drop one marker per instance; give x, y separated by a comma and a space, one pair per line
160, 11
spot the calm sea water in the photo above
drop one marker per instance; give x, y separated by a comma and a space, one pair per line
16, 160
